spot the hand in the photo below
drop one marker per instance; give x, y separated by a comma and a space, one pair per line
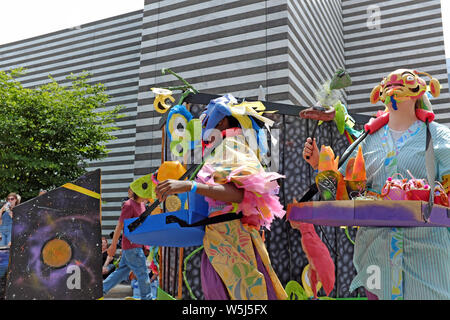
104, 270
112, 250
312, 151
168, 187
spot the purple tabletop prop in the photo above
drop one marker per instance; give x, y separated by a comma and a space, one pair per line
367, 213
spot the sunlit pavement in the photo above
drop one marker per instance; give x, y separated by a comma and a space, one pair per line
119, 292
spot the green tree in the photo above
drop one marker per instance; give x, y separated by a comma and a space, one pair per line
48, 133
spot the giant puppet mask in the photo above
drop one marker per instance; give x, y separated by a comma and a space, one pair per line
403, 84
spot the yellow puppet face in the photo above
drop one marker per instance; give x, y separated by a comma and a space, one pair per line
403, 84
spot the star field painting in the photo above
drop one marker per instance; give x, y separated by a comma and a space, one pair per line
56, 244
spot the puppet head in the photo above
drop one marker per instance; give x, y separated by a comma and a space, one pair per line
246, 113
404, 84
214, 112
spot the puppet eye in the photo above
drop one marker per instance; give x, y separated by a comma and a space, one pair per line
410, 78
383, 82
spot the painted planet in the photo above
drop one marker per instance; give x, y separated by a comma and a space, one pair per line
56, 253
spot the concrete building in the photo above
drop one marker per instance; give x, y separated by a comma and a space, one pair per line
448, 69
288, 47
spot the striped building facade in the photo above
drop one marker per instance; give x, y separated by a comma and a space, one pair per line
280, 49
316, 47
381, 36
448, 69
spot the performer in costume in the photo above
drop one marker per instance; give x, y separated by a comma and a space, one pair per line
235, 262
414, 262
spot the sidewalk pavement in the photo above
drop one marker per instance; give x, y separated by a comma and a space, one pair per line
119, 292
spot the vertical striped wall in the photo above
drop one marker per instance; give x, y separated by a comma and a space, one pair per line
316, 47
110, 50
409, 34
448, 69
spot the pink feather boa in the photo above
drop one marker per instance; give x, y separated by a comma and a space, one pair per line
260, 204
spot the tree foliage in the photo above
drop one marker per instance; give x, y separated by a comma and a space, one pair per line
48, 133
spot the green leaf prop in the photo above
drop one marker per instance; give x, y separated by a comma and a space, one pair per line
295, 291
194, 127
144, 187
339, 117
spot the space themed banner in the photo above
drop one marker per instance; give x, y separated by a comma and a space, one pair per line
56, 244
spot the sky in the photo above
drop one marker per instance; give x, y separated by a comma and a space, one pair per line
22, 19
445, 5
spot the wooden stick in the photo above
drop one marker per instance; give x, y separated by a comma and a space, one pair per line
162, 255
181, 251
180, 274
161, 269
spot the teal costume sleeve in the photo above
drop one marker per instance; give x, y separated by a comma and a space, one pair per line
441, 142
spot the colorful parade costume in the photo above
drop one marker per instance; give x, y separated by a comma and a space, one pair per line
235, 262
414, 262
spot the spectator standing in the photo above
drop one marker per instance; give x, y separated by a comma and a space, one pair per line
133, 257
108, 262
152, 265
6, 216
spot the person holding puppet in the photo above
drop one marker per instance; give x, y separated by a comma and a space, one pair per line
235, 263
414, 263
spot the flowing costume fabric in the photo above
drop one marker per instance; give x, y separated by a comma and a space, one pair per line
414, 262
235, 262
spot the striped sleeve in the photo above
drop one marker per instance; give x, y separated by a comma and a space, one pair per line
442, 150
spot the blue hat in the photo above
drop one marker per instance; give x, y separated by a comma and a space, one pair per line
216, 110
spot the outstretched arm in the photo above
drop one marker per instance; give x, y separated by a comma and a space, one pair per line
224, 192
3, 209
113, 247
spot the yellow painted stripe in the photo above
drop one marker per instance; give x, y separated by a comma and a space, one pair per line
82, 190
